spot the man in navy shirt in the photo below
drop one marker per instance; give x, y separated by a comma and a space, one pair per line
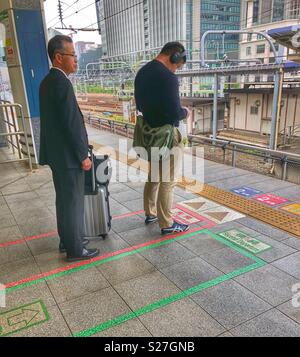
157, 98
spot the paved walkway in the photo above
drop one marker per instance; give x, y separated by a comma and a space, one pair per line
229, 275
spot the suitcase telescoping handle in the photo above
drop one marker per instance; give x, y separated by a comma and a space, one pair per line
91, 148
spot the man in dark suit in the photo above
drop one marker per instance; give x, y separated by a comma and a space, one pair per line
64, 147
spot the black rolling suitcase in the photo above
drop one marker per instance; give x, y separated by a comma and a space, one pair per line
97, 218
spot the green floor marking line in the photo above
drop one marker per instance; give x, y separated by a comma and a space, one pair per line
23, 317
161, 303
244, 252
245, 241
116, 257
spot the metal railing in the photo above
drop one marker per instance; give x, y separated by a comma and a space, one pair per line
124, 129
14, 134
289, 134
285, 158
235, 32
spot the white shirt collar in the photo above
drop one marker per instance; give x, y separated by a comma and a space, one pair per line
61, 71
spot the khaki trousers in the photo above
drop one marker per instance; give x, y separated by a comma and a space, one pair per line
159, 190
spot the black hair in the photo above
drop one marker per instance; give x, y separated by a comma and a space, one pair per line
56, 44
171, 48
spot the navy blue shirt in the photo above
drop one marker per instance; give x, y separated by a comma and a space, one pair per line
157, 95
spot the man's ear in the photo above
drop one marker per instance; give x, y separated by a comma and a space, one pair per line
57, 58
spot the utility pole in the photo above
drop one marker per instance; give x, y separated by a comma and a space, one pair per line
215, 107
276, 109
60, 14
278, 86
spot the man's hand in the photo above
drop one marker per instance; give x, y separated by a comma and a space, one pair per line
86, 164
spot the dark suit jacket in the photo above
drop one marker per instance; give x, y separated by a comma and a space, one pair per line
64, 142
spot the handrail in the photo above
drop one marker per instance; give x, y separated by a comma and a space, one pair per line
113, 124
284, 157
10, 126
235, 32
246, 146
105, 63
204, 138
289, 133
16, 133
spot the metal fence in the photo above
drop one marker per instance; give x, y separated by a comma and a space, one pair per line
290, 135
230, 151
123, 129
14, 134
248, 157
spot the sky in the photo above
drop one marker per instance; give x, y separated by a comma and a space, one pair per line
84, 18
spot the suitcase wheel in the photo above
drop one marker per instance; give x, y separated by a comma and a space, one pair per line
104, 236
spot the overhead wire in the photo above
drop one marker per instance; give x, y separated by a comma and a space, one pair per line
129, 7
104, 18
78, 11
64, 10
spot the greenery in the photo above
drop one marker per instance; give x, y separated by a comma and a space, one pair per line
125, 98
232, 86
91, 88
94, 88
252, 152
129, 88
114, 118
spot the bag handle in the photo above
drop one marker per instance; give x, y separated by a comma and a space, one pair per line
91, 148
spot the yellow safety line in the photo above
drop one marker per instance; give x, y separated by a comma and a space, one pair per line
257, 210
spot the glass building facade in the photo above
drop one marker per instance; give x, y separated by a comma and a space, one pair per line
122, 26
221, 15
134, 25
189, 28
258, 12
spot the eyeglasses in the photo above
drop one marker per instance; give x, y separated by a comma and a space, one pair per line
68, 54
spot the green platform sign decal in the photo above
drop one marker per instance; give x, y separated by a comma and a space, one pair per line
245, 241
22, 317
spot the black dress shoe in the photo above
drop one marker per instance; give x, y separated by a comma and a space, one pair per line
86, 255
62, 248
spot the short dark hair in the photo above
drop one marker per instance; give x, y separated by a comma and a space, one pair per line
171, 48
56, 44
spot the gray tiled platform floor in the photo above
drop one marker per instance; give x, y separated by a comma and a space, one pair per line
256, 303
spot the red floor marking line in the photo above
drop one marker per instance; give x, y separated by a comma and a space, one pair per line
44, 235
128, 215
108, 255
54, 233
19, 241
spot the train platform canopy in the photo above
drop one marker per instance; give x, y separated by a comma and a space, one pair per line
288, 36
291, 64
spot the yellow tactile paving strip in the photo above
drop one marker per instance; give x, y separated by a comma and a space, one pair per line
257, 210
